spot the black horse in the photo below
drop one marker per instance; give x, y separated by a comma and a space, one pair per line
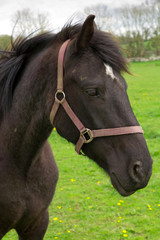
96, 92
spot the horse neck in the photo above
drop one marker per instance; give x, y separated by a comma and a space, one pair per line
27, 126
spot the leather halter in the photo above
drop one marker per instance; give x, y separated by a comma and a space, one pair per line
86, 135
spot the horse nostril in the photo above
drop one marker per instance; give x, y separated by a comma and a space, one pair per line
137, 172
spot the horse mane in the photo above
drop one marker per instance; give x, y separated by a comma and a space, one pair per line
12, 62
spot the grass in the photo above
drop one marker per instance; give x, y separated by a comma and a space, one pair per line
85, 205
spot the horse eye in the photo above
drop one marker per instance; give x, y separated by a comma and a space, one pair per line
92, 92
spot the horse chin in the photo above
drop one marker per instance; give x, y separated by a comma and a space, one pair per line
117, 185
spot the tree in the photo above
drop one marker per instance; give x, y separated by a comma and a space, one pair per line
103, 16
25, 22
141, 25
156, 27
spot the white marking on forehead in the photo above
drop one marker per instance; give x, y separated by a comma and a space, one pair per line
109, 71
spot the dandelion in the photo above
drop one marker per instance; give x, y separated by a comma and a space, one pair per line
88, 197
121, 201
119, 219
158, 205
55, 237
119, 204
54, 129
55, 219
59, 207
98, 183
68, 231
73, 180
61, 189
60, 221
125, 235
149, 206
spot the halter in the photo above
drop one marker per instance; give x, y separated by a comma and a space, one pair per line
86, 135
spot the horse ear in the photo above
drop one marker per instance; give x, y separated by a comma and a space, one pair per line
86, 32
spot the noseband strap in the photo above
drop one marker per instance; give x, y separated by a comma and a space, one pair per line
86, 135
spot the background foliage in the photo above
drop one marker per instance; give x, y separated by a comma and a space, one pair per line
137, 27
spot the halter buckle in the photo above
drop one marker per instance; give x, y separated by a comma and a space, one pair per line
86, 135
60, 99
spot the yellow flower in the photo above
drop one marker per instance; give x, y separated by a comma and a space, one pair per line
55, 237
60, 221
61, 189
119, 221
88, 197
73, 180
159, 205
120, 217
125, 235
69, 231
144, 94
121, 201
55, 219
59, 207
149, 206
119, 204
54, 129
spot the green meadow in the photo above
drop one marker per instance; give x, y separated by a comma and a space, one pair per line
85, 205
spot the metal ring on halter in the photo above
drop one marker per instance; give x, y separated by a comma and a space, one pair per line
62, 96
86, 135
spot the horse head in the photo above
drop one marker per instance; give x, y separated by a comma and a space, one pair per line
97, 93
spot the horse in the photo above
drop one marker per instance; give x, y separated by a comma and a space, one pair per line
44, 85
